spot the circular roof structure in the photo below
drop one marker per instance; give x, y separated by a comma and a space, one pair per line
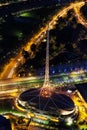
55, 104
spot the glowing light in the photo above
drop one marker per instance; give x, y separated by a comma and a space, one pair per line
69, 91
54, 119
46, 92
69, 121
9, 69
53, 71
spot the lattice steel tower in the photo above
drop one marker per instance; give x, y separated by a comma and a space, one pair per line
46, 90
46, 80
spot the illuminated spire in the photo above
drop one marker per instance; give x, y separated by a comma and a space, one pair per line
46, 80
46, 90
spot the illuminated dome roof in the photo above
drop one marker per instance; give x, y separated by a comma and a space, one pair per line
54, 104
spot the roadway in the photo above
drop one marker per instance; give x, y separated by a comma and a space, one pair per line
9, 69
79, 17
13, 87
6, 86
10, 2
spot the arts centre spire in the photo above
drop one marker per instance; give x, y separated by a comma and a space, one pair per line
46, 90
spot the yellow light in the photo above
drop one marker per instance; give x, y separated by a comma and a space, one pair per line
54, 119
46, 92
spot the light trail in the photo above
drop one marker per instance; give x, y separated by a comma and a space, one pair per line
12, 87
9, 69
79, 16
82, 105
9, 91
10, 2
4, 4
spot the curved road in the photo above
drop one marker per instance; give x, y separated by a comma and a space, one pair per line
9, 69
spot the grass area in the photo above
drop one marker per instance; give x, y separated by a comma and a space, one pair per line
26, 14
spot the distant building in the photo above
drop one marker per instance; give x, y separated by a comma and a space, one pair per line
4, 123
